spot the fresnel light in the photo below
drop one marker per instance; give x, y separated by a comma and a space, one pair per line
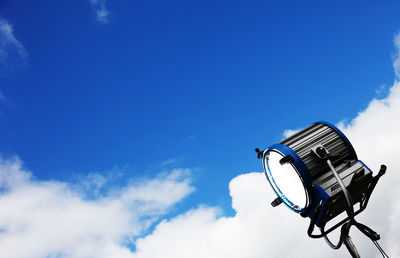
317, 174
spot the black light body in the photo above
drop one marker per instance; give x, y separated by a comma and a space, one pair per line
316, 173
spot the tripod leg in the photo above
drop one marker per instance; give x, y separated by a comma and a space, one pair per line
350, 246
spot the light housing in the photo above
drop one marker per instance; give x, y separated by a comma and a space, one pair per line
316, 172
308, 182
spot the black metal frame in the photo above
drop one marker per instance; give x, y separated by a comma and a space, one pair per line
363, 204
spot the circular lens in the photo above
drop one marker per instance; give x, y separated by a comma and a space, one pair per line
285, 180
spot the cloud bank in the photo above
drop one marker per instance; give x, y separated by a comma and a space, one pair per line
56, 219
375, 134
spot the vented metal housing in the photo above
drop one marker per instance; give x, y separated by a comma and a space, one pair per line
320, 134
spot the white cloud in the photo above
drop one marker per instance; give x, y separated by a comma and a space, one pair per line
396, 62
375, 135
12, 52
257, 230
170, 161
289, 132
53, 219
99, 7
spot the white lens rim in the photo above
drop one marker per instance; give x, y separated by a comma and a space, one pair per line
287, 200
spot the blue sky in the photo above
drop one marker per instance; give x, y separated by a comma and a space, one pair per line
140, 87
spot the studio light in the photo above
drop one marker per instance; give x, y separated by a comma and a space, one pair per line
317, 174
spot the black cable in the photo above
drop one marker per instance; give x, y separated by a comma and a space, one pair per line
384, 255
328, 241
